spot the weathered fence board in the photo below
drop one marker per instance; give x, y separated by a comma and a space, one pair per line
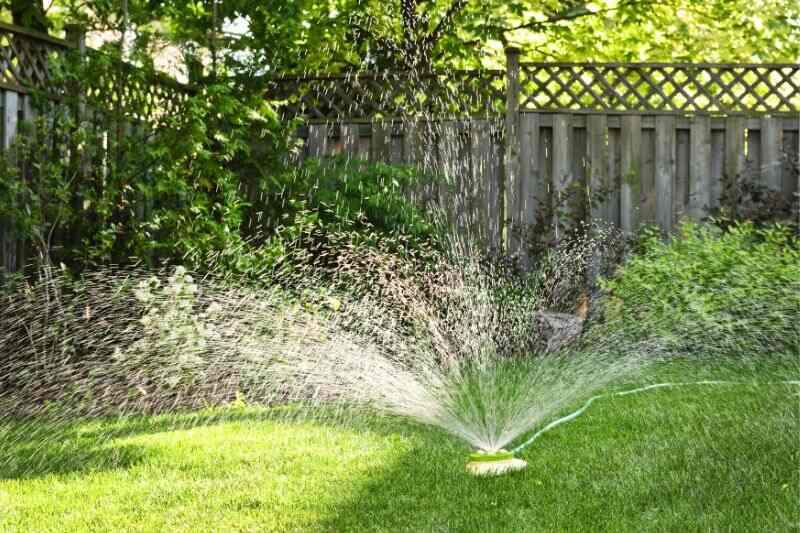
680, 200
563, 170
770, 146
665, 174
791, 161
350, 140
9, 246
647, 192
614, 176
380, 145
734, 150
598, 165
700, 167
631, 141
483, 187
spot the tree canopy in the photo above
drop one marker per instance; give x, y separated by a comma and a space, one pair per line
262, 36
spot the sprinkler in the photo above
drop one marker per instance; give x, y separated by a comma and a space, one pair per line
483, 463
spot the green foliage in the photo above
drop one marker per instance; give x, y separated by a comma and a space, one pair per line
562, 217
735, 291
333, 35
88, 191
348, 195
29, 14
672, 30
378, 35
36, 182
211, 184
747, 199
175, 335
317, 211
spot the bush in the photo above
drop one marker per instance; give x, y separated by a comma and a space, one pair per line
308, 215
213, 187
208, 181
152, 197
128, 340
733, 291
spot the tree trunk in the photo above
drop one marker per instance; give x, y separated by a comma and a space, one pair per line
29, 14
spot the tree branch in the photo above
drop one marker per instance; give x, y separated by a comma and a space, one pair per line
572, 14
434, 36
408, 9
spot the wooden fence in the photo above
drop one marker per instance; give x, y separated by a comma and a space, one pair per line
646, 143
638, 142
634, 168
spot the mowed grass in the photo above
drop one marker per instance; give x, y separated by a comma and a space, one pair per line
712, 458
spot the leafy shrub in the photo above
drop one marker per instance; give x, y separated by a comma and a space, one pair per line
140, 340
733, 291
748, 199
175, 335
309, 215
211, 186
152, 197
562, 217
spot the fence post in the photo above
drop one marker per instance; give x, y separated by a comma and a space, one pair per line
797, 162
513, 212
76, 35
8, 240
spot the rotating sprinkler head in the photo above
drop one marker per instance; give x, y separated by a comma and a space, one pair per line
482, 463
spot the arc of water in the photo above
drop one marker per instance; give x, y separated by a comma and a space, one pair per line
591, 400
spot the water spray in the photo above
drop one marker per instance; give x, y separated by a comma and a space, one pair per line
503, 461
439, 348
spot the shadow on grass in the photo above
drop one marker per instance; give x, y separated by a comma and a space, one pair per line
40, 446
428, 489
34, 461
676, 460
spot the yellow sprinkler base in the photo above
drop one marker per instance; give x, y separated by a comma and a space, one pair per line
493, 464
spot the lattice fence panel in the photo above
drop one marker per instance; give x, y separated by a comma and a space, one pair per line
369, 95
682, 88
26, 62
122, 88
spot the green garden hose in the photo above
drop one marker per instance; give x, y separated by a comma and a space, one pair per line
591, 400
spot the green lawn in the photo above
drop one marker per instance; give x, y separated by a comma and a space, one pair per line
688, 459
